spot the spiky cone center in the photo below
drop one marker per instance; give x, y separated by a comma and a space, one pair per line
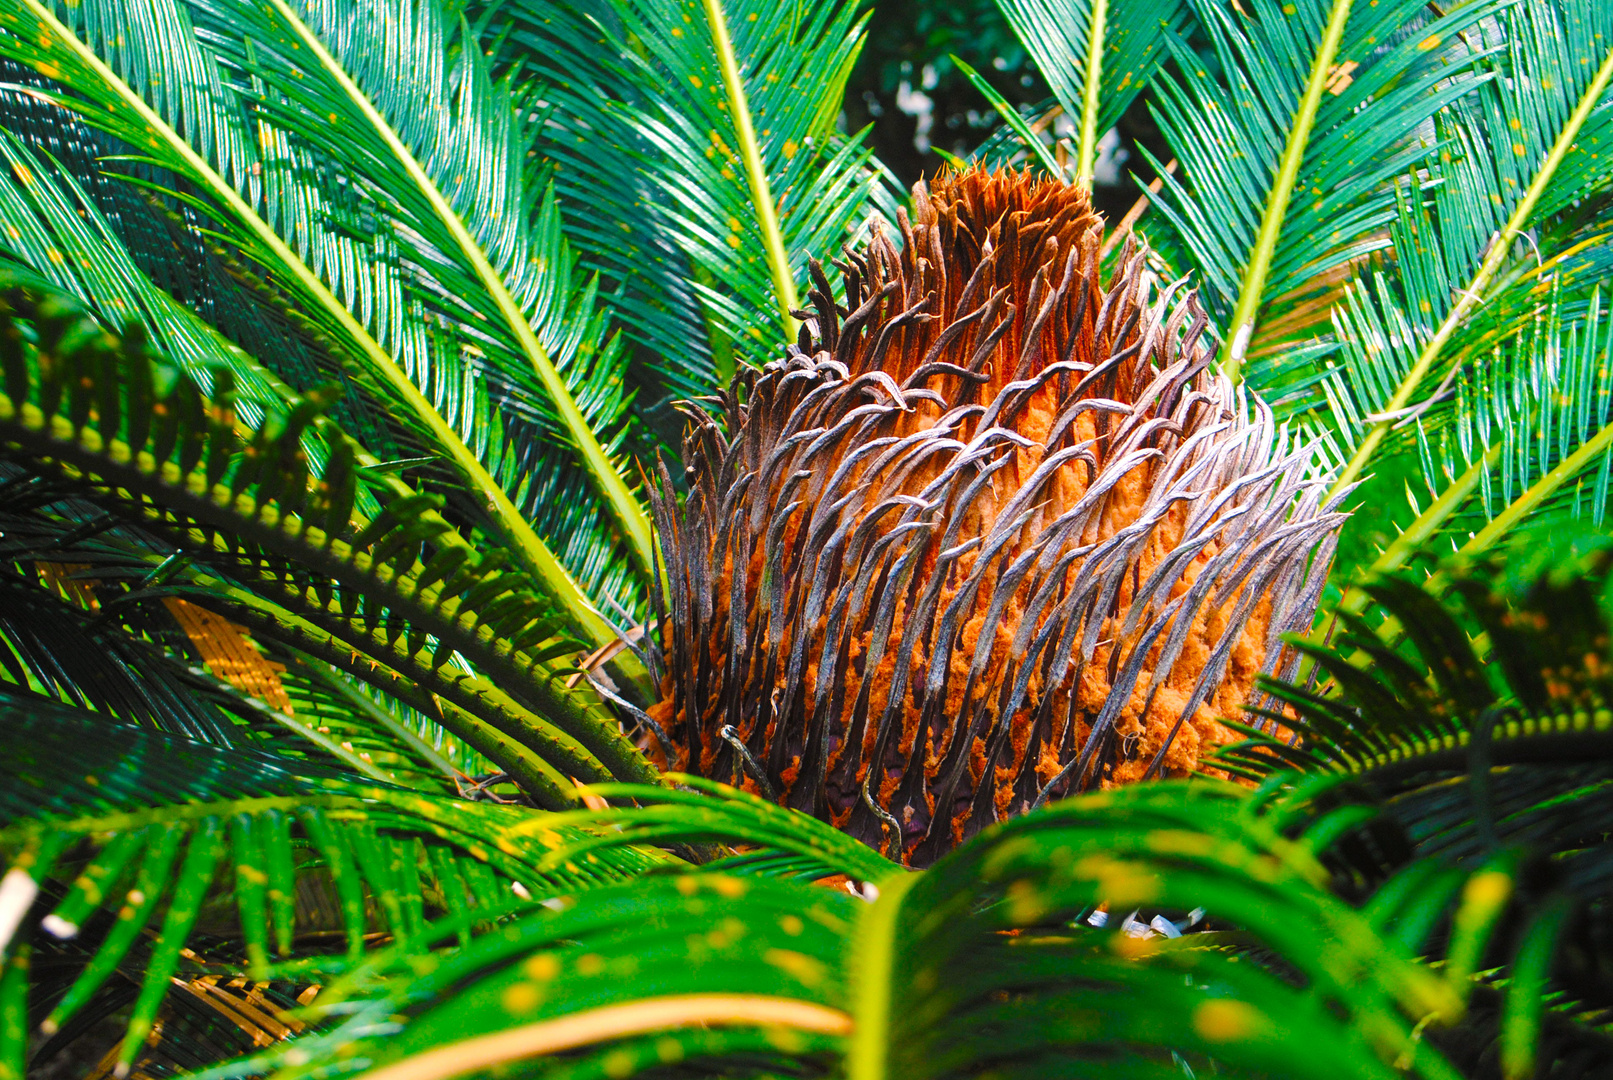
992, 532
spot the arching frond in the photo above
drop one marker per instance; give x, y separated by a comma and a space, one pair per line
1095, 80
404, 289
1488, 333
700, 810
291, 557
1285, 150
111, 819
993, 961
727, 111
1459, 787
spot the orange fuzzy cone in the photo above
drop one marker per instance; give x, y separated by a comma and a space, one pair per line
993, 532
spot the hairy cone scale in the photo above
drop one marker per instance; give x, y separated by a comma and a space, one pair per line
992, 532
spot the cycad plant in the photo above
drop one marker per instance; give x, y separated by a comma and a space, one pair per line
354, 608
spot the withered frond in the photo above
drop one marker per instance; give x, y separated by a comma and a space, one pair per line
992, 532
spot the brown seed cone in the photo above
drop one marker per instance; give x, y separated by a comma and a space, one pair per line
991, 533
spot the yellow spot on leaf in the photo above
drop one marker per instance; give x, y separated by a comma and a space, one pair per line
1025, 903
732, 888
1228, 1021
1489, 889
542, 967
806, 970
1119, 882
1134, 948
786, 1039
521, 997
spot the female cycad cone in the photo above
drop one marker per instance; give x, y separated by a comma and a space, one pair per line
992, 533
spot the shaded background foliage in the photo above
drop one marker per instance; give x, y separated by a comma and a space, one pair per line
905, 79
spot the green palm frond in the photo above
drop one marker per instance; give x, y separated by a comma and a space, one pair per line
1509, 167
941, 983
702, 811
69, 655
1525, 433
443, 154
1095, 86
991, 962
289, 557
1526, 674
728, 112
747, 976
89, 620
357, 259
163, 245
1459, 785
408, 747
1498, 291
54, 237
1285, 152
146, 823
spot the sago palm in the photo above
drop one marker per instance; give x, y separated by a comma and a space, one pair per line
340, 339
